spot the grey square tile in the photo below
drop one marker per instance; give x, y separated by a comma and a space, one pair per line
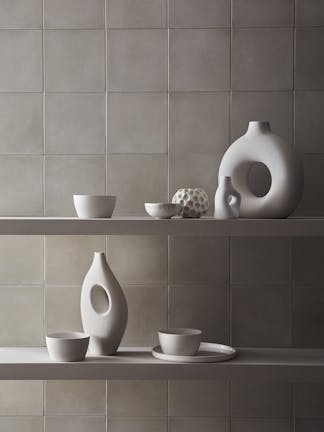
128, 65
261, 260
262, 59
21, 398
309, 68
21, 61
199, 122
62, 308
262, 425
264, 400
204, 13
275, 107
137, 425
198, 260
195, 170
75, 124
21, 14
309, 425
21, 316
21, 127
136, 14
308, 316
147, 313
200, 423
21, 260
75, 397
259, 13
198, 398
75, 60
136, 398
308, 264
309, 400
75, 424
138, 259
313, 179
137, 123
203, 307
74, 13
68, 258
18, 424
254, 307
68, 175
309, 12
309, 106
147, 176
21, 187
199, 59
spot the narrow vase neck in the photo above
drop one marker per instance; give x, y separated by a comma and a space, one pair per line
99, 258
258, 127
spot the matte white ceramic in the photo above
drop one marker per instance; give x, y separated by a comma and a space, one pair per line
162, 210
94, 206
259, 144
180, 341
193, 202
104, 309
207, 353
227, 200
67, 346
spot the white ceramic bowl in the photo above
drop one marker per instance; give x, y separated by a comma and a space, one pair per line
94, 206
162, 210
67, 346
180, 341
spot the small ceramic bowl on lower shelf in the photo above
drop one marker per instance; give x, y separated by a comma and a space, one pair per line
180, 341
94, 206
162, 210
67, 346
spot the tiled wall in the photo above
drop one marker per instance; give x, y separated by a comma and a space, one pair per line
139, 98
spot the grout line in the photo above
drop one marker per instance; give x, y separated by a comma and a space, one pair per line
44, 196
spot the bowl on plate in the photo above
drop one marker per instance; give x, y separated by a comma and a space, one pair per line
162, 210
67, 346
180, 341
94, 206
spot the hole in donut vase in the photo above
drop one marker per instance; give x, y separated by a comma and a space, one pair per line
259, 179
99, 299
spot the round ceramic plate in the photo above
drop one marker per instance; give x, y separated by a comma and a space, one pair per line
208, 353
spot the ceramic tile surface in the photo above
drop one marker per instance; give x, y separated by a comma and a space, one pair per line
139, 98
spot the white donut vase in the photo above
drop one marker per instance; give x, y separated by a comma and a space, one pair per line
259, 144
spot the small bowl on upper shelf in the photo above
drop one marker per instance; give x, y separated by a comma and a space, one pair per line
162, 210
94, 206
67, 346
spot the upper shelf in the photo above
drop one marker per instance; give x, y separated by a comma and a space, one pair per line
251, 364
206, 226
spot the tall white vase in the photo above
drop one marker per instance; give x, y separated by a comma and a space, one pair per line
104, 310
259, 144
227, 200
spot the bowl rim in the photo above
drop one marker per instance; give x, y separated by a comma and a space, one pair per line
180, 332
94, 196
162, 204
67, 336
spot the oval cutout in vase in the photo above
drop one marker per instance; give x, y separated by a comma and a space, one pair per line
104, 309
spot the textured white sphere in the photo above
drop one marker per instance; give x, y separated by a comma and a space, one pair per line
194, 202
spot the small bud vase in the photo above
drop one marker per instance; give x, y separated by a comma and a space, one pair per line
104, 310
227, 199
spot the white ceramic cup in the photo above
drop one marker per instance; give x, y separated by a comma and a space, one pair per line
67, 346
180, 341
94, 206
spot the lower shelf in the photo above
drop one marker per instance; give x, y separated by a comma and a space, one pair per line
287, 364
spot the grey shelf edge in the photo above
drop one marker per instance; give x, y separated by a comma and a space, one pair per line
290, 227
287, 365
